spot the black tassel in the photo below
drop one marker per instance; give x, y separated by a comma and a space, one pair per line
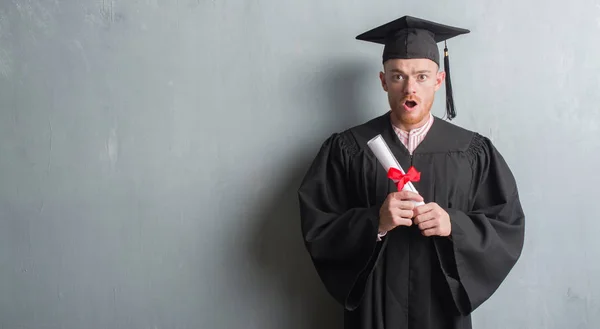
450, 111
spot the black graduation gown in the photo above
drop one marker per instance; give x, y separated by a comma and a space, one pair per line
408, 280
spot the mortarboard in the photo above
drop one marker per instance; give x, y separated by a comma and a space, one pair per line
411, 37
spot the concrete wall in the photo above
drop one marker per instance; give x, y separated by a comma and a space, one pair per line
150, 153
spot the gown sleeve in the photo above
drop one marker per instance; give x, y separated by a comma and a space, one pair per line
340, 237
487, 240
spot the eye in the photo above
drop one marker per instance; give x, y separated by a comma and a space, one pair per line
422, 77
397, 77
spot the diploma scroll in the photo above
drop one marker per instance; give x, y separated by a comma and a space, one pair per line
387, 160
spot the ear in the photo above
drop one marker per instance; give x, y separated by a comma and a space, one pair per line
440, 78
383, 83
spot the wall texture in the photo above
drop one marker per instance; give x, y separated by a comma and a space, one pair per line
150, 153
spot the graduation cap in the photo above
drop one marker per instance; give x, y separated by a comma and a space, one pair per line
410, 37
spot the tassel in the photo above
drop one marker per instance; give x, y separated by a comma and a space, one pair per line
450, 111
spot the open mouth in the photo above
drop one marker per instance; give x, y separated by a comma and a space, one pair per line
410, 104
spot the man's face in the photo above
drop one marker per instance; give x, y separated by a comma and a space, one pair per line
411, 85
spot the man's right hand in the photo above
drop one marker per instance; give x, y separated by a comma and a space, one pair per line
397, 210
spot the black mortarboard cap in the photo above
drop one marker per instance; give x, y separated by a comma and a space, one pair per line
410, 37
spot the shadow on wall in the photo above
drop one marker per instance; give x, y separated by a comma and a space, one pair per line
277, 245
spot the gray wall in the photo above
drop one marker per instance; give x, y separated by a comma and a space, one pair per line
150, 152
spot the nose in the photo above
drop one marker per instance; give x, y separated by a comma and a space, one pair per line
410, 86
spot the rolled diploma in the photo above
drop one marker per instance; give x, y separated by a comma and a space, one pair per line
387, 160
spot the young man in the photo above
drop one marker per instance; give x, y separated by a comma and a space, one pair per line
390, 263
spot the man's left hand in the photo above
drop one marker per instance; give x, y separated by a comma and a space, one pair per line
432, 220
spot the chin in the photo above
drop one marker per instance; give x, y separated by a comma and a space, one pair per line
413, 117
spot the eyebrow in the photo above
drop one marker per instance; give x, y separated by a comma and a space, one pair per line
418, 72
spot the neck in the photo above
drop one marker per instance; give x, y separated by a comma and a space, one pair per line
408, 126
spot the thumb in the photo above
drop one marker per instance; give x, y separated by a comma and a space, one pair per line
408, 195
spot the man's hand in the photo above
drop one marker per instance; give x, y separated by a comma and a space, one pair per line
397, 210
432, 220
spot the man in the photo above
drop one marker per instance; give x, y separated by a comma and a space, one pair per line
391, 262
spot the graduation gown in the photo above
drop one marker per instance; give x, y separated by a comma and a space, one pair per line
407, 280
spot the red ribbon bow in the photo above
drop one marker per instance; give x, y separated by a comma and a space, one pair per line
412, 175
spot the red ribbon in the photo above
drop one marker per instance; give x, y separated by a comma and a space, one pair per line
412, 175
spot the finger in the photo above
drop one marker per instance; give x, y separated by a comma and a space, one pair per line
406, 205
402, 221
408, 195
430, 232
402, 217
428, 216
404, 213
424, 208
430, 224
